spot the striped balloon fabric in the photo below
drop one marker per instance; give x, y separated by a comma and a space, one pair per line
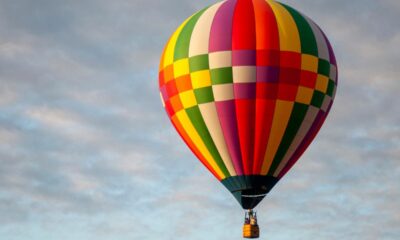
247, 85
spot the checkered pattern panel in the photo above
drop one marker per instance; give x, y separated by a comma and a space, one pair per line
294, 77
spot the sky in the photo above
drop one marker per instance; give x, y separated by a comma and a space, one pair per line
87, 151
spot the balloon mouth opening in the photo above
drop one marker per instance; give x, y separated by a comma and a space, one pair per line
249, 190
248, 201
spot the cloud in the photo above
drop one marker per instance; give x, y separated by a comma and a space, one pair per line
87, 152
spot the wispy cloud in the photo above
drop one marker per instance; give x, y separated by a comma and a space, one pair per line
87, 152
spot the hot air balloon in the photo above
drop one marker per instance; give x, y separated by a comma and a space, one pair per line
248, 84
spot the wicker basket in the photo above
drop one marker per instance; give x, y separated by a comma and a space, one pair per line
251, 231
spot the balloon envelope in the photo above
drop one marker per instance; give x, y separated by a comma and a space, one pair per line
248, 84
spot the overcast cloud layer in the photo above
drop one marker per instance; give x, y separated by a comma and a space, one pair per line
87, 152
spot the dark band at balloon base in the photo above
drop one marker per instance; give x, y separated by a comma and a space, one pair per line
249, 190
